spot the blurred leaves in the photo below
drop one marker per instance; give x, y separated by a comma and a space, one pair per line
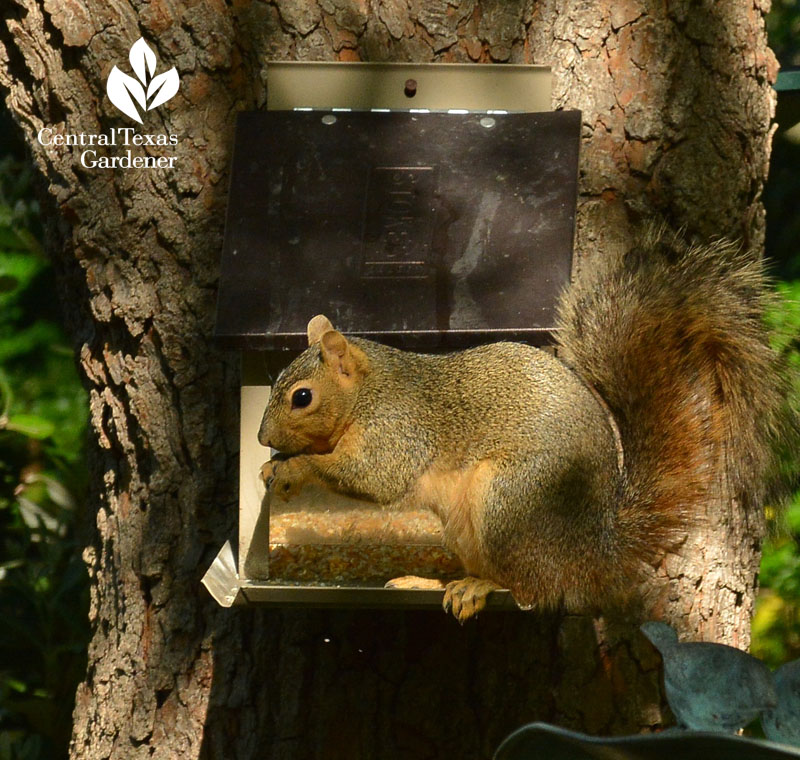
776, 625
783, 28
43, 411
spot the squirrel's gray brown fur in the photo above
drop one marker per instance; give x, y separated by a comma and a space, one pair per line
539, 490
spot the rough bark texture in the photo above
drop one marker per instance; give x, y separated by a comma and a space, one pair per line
676, 104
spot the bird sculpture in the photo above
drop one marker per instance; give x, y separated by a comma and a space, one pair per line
711, 687
782, 722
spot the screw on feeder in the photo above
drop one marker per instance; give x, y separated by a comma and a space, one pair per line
329, 119
410, 88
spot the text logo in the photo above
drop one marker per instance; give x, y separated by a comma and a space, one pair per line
149, 91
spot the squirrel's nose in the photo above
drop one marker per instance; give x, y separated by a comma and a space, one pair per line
263, 438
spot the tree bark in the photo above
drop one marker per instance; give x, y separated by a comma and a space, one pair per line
677, 102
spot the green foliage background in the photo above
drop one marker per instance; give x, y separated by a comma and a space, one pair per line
43, 413
43, 417
783, 28
776, 625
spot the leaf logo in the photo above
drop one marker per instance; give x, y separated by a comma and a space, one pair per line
125, 92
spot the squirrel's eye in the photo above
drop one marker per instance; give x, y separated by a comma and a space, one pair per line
301, 397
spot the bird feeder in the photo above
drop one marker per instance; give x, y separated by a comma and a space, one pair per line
430, 207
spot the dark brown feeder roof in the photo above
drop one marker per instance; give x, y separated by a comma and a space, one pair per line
424, 230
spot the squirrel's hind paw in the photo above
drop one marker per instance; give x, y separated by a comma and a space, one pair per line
467, 597
414, 581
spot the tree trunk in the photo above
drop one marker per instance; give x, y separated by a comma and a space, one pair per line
676, 100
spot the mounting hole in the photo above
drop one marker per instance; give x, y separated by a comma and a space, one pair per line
488, 122
329, 119
410, 88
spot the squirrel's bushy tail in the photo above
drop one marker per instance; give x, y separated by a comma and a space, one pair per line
671, 336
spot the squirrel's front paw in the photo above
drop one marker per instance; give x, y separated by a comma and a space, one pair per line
268, 472
281, 478
467, 597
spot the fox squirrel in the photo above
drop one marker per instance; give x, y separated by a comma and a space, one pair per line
553, 477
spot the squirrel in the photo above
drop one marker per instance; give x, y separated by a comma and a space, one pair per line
554, 477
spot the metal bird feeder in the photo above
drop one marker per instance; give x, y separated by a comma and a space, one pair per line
431, 207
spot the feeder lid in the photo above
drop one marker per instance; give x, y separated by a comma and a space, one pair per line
425, 230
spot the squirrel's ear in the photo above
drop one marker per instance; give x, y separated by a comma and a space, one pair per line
338, 354
317, 327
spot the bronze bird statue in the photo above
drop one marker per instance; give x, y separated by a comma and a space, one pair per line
711, 687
